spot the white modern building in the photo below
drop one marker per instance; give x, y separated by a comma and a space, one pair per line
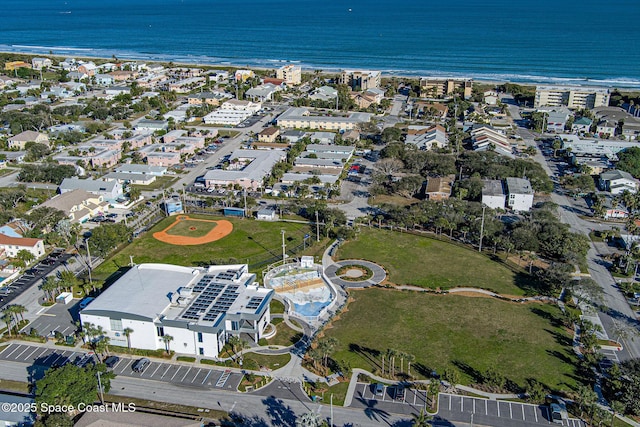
519, 194
109, 189
232, 112
247, 168
493, 194
617, 181
10, 246
427, 137
199, 308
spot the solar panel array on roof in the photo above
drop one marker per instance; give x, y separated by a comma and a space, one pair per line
206, 303
254, 303
226, 275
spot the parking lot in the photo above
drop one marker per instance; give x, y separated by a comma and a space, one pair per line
57, 318
496, 412
410, 401
186, 375
32, 275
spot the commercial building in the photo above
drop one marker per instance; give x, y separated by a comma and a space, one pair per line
247, 168
571, 96
200, 308
232, 112
301, 118
519, 194
291, 74
493, 194
360, 79
431, 87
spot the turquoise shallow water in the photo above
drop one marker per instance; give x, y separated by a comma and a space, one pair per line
543, 41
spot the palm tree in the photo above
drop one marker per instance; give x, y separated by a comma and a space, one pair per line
19, 310
616, 408
167, 339
434, 388
8, 320
401, 355
315, 355
127, 333
67, 280
410, 359
421, 420
25, 256
49, 285
390, 355
233, 341
585, 398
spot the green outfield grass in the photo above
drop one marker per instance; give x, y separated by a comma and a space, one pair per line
519, 341
422, 261
250, 241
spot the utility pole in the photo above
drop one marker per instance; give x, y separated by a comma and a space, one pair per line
100, 388
317, 228
481, 229
284, 254
90, 263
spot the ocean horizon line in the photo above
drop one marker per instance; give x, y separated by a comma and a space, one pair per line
621, 82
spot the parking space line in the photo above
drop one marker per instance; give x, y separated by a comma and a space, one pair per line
449, 402
474, 406
384, 392
207, 377
535, 413
56, 359
176, 373
44, 350
8, 355
523, 417
154, 372
166, 370
486, 410
196, 375
498, 406
185, 374
31, 354
117, 364
26, 348
510, 411
461, 404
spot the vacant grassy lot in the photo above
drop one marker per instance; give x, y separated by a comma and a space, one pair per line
430, 263
472, 334
250, 241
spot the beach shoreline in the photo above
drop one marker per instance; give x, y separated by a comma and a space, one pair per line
225, 65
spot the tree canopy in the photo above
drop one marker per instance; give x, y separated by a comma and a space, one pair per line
72, 385
630, 161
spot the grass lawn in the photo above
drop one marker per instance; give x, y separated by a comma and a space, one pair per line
472, 334
284, 335
276, 307
160, 182
430, 263
250, 241
191, 228
271, 361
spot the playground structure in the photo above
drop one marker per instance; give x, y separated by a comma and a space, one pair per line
301, 283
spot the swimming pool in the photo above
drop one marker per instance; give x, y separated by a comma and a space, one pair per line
311, 309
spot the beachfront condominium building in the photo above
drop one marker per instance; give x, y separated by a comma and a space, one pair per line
291, 74
199, 308
431, 87
571, 96
360, 80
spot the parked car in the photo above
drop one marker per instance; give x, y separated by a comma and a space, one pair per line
378, 389
140, 365
111, 361
85, 302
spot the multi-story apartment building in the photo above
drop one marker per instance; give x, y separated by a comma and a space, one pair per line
291, 74
440, 87
360, 80
571, 96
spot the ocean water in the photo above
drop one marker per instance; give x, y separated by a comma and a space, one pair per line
554, 41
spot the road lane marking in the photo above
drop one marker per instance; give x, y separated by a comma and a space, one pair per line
474, 406
449, 402
486, 409
523, 417
510, 411
535, 413
461, 404
498, 406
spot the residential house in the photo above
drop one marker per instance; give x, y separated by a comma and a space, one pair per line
324, 93
617, 181
493, 194
263, 92
104, 79
292, 136
301, 118
109, 190
151, 125
519, 194
557, 120
439, 188
266, 214
326, 138
269, 134
77, 75
18, 141
130, 178
78, 205
209, 98
88, 68
427, 137
142, 169
41, 63
486, 138
243, 75
581, 125
10, 246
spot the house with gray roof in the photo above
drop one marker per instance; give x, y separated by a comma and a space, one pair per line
247, 168
617, 181
110, 190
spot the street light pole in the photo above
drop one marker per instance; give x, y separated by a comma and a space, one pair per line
283, 247
90, 263
331, 425
481, 229
100, 388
